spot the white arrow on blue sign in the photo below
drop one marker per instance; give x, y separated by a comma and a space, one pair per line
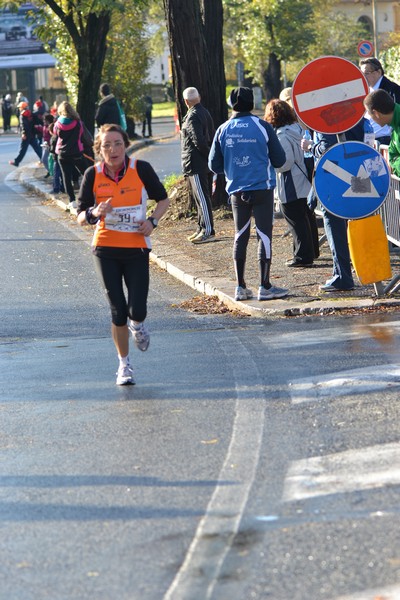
352, 180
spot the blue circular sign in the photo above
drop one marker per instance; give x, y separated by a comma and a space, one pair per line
352, 180
365, 48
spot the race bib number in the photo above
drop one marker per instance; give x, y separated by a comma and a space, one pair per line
124, 218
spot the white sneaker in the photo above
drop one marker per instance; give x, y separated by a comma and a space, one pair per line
203, 238
72, 205
125, 375
271, 293
242, 293
141, 336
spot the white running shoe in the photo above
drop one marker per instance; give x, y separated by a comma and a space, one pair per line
125, 375
271, 293
242, 293
203, 238
141, 336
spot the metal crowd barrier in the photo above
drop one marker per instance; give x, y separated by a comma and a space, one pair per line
390, 214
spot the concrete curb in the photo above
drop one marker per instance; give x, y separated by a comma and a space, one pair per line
271, 308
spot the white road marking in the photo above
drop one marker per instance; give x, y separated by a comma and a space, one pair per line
331, 95
355, 381
216, 531
391, 592
343, 472
331, 335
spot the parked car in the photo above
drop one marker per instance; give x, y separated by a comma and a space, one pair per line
13, 30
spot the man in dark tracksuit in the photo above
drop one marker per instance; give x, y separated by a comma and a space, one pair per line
196, 136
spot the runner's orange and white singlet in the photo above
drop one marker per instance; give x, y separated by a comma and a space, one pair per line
129, 198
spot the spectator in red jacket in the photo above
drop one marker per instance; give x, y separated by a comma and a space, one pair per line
28, 134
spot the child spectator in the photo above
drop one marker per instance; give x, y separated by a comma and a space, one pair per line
48, 119
58, 184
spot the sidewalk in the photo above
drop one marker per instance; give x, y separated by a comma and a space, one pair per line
208, 268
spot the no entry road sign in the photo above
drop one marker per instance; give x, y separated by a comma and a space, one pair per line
352, 180
328, 94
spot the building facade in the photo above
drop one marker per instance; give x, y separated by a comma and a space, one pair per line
380, 18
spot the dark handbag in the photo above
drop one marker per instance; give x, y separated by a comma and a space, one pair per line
309, 162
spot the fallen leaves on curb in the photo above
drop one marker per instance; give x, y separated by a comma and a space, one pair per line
208, 305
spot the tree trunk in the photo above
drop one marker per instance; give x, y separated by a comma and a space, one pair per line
197, 58
213, 26
195, 41
272, 78
91, 51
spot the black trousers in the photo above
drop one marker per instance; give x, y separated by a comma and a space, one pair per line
297, 218
130, 266
69, 167
200, 186
262, 210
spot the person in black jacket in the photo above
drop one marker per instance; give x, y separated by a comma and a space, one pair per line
374, 74
197, 133
6, 111
107, 110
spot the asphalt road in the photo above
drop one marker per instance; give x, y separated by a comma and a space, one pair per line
254, 458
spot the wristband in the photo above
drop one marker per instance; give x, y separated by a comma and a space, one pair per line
90, 218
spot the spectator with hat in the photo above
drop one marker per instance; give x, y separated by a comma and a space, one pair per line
28, 134
20, 98
246, 149
108, 109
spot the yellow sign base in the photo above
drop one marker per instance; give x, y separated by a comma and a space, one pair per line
369, 249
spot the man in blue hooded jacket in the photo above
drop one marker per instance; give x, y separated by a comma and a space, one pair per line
246, 149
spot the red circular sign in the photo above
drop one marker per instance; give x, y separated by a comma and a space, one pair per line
365, 49
328, 94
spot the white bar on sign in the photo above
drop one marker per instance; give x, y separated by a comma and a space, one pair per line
343, 472
330, 95
334, 169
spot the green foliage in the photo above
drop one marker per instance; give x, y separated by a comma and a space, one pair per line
58, 42
128, 58
262, 27
64, 29
336, 35
390, 58
171, 180
296, 31
164, 109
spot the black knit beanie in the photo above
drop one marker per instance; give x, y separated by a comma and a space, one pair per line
241, 99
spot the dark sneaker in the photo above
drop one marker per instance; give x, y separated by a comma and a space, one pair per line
297, 263
328, 287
